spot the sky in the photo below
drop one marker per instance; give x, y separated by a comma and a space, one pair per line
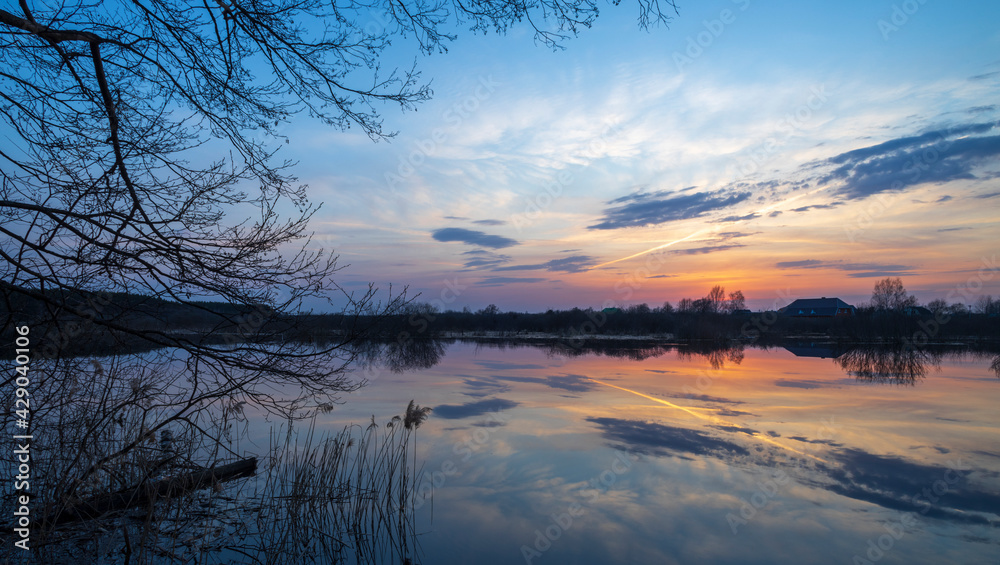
784, 149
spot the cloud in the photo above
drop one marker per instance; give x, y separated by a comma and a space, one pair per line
752, 216
982, 109
737, 430
817, 207
804, 264
829, 442
799, 384
855, 270
660, 439
473, 237
988, 195
775, 214
892, 482
469, 409
727, 235
646, 209
572, 383
933, 157
482, 259
707, 398
490, 222
985, 76
499, 281
574, 264
944, 198
707, 249
505, 366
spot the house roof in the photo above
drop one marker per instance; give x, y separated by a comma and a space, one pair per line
816, 307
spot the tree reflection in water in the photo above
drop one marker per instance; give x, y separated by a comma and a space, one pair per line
900, 365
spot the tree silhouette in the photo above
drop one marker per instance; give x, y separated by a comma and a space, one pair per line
889, 294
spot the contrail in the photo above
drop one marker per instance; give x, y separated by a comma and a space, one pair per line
710, 418
703, 230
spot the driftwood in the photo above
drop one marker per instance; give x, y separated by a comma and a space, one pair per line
149, 492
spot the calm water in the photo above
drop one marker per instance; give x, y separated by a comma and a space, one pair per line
759, 456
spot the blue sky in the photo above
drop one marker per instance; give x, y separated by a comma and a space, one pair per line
782, 148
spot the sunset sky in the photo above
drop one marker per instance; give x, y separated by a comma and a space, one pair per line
787, 149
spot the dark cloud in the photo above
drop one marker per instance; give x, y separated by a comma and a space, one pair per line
707, 249
775, 214
574, 264
469, 409
988, 195
738, 218
490, 424
932, 157
944, 198
737, 430
473, 237
731, 413
490, 222
829, 442
894, 483
817, 207
955, 229
659, 439
482, 259
651, 208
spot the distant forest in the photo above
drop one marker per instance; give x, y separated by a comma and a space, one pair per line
892, 317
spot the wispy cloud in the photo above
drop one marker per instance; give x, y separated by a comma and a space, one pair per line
817, 207
855, 270
651, 208
660, 439
473, 237
477, 408
500, 281
574, 264
483, 259
752, 216
936, 156
707, 249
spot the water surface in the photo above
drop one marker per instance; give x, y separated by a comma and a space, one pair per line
635, 455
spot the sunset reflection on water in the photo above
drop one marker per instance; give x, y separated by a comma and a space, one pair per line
633, 455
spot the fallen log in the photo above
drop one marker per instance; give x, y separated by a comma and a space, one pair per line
147, 493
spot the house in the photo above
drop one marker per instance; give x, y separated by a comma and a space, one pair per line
818, 308
822, 351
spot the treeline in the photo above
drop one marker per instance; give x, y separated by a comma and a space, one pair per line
643, 321
891, 316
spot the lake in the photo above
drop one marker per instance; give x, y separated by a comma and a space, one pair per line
634, 454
